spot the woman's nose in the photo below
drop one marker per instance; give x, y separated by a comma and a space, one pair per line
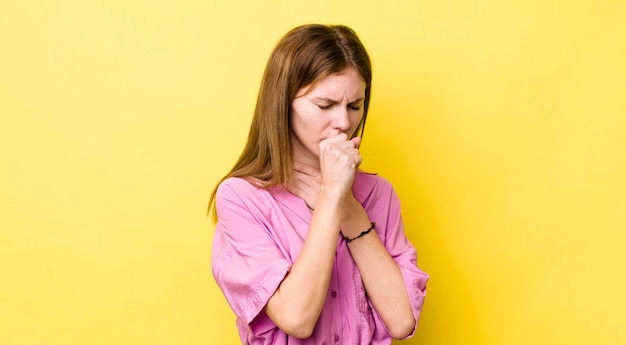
341, 120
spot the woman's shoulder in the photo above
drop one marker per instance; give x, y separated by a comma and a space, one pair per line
238, 182
367, 184
366, 180
240, 187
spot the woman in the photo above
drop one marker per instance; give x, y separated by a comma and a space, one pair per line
308, 249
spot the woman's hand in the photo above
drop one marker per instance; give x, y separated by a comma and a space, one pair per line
339, 159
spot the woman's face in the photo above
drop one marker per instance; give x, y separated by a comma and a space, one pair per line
331, 106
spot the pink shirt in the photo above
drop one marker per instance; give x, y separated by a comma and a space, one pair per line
259, 235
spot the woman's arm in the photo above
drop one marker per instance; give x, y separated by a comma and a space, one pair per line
298, 301
380, 274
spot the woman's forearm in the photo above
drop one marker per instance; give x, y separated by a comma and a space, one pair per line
298, 301
380, 274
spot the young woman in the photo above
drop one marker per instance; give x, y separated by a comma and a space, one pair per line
309, 249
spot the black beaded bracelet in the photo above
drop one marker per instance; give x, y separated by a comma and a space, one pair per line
348, 239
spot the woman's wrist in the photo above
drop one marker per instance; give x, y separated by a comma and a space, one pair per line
354, 219
331, 195
363, 233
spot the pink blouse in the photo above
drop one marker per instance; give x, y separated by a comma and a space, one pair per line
259, 235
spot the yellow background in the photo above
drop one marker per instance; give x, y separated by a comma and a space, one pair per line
502, 125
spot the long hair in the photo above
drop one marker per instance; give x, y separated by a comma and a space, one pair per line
303, 56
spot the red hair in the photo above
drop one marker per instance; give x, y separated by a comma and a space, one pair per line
303, 56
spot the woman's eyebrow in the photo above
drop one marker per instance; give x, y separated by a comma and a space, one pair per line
326, 99
330, 100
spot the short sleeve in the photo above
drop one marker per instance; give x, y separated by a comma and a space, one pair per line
248, 265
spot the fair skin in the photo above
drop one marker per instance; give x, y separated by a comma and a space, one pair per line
323, 115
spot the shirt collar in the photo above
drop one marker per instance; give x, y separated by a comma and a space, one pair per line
291, 202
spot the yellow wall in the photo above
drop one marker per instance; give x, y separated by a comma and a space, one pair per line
501, 124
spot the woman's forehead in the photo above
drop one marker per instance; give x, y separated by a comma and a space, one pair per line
335, 86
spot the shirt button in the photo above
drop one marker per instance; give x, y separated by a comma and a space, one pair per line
333, 294
337, 338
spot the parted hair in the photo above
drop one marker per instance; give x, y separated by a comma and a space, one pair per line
303, 56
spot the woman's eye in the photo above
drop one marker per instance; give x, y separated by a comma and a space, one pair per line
326, 107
